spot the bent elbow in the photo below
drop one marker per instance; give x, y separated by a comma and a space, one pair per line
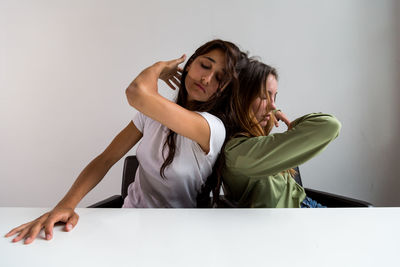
332, 127
133, 93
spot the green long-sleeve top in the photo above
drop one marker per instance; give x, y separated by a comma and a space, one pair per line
256, 167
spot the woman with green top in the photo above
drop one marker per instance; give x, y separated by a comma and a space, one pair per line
258, 165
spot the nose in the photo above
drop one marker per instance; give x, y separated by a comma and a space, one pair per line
272, 105
206, 78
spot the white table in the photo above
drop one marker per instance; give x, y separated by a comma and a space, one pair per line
212, 237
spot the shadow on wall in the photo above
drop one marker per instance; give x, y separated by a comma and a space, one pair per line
395, 146
384, 141
392, 147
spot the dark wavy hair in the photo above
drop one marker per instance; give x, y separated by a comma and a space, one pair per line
217, 103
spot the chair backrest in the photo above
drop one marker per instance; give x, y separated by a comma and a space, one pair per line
128, 175
297, 177
131, 164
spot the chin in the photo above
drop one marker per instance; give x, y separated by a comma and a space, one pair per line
263, 123
193, 95
196, 97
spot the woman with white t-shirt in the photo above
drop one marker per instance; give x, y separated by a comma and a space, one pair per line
180, 141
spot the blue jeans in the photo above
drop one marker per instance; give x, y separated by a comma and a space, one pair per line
310, 203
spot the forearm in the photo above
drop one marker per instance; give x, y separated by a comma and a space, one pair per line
271, 154
91, 175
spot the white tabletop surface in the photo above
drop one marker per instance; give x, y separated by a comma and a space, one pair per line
211, 237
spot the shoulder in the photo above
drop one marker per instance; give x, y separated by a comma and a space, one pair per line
217, 127
217, 131
212, 120
245, 147
143, 122
140, 116
235, 145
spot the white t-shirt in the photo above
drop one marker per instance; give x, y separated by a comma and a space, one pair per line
186, 174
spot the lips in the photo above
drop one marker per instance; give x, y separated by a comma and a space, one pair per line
267, 117
200, 87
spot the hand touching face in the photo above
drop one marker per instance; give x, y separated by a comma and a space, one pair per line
263, 106
172, 73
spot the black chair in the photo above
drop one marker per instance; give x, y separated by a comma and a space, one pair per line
128, 176
328, 199
131, 164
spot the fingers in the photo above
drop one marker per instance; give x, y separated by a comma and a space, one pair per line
173, 82
16, 230
181, 59
21, 235
286, 121
50, 222
177, 61
72, 221
279, 115
33, 232
28, 231
176, 81
48, 230
284, 118
170, 84
276, 122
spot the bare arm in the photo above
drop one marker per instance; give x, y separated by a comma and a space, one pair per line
95, 171
143, 95
91, 175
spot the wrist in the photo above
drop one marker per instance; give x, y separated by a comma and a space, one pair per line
64, 204
158, 67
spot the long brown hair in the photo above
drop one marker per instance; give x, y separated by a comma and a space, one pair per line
242, 121
252, 84
217, 102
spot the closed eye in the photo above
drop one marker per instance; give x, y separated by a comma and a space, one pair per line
205, 66
272, 97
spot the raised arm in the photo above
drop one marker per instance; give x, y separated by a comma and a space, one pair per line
91, 175
268, 155
143, 95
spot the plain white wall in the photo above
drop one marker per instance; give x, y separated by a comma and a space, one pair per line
65, 65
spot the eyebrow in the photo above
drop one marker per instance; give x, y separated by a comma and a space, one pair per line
210, 58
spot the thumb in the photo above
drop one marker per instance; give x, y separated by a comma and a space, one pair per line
72, 221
